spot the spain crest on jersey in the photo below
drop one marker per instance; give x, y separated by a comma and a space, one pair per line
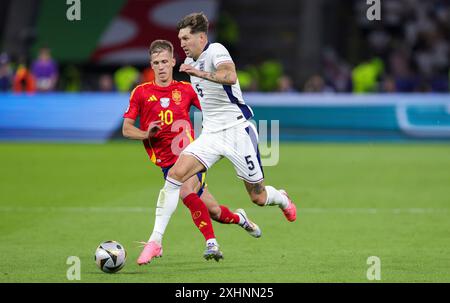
165, 102
176, 96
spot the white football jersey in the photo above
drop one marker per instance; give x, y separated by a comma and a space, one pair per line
222, 105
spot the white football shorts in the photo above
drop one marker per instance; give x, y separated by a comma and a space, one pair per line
238, 143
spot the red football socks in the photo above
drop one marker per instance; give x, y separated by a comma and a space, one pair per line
200, 215
228, 217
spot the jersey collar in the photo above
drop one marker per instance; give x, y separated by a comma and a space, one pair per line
206, 47
164, 87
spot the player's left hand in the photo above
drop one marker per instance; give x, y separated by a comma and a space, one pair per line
153, 128
190, 70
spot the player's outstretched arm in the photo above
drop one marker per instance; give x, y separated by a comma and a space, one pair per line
225, 73
132, 132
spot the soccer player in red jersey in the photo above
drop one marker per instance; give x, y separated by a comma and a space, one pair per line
165, 129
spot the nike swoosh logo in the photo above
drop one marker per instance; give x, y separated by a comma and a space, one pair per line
252, 175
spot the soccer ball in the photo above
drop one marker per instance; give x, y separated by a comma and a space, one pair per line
110, 256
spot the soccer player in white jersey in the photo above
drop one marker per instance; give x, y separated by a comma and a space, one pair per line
226, 131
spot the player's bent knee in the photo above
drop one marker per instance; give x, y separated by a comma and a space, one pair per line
176, 173
258, 199
257, 193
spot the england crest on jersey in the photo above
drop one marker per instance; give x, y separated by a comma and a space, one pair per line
202, 65
165, 102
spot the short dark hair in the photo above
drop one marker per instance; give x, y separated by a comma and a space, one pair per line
158, 46
198, 22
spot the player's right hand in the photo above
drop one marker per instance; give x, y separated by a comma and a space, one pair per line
154, 127
190, 70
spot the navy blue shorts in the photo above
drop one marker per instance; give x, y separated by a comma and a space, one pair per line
201, 177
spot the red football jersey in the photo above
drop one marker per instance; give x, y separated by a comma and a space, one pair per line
170, 104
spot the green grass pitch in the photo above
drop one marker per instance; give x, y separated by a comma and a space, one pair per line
354, 201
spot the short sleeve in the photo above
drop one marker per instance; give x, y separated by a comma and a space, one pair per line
188, 60
220, 54
133, 108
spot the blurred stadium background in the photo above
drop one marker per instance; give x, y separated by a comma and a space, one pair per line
326, 71
319, 67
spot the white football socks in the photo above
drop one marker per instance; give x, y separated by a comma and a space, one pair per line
167, 203
241, 219
212, 241
274, 197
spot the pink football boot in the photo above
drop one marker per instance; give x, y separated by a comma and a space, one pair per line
151, 250
291, 211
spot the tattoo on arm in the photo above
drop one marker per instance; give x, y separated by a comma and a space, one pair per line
212, 76
224, 75
257, 188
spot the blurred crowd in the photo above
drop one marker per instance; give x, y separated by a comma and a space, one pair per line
42, 75
407, 51
45, 75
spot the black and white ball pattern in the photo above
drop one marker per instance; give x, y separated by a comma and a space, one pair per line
110, 256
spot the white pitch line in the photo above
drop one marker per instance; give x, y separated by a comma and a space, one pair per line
115, 209
376, 210
75, 209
